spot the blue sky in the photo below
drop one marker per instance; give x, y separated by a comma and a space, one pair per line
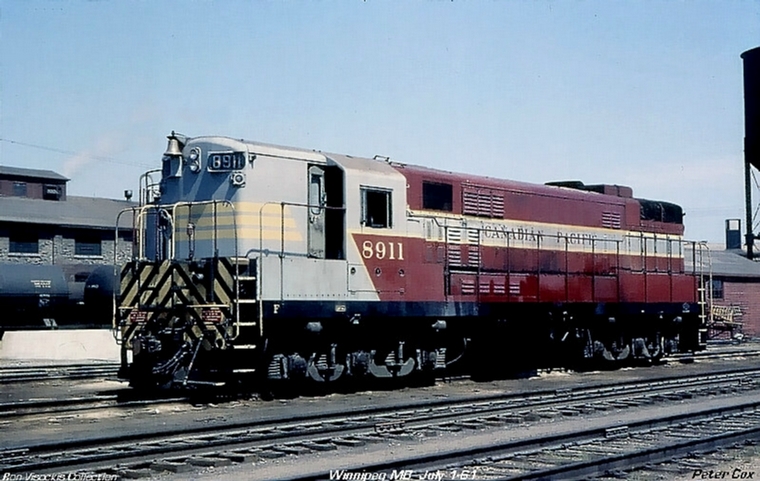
640, 93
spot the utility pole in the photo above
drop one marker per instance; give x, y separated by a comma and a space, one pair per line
751, 134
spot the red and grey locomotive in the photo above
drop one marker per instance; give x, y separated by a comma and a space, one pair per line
255, 262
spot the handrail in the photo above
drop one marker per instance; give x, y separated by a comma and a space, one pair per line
169, 213
214, 203
148, 182
116, 269
707, 291
609, 246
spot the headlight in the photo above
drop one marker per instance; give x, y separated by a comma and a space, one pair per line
194, 161
237, 179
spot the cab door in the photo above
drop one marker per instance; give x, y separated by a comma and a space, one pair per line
316, 212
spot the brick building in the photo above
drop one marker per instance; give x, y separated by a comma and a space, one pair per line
41, 224
733, 293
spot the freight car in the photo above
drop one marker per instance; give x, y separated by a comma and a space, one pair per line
257, 263
52, 296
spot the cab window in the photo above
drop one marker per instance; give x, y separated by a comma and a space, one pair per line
376, 207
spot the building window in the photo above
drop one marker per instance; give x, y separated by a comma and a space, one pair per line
717, 289
376, 208
24, 244
51, 192
437, 196
87, 246
19, 189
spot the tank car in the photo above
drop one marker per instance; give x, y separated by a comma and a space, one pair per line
32, 296
56, 296
256, 263
98, 291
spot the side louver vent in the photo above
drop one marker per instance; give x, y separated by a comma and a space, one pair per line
482, 202
611, 220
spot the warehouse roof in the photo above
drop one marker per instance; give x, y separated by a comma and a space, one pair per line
6, 171
726, 263
92, 212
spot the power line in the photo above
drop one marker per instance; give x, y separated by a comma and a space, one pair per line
68, 152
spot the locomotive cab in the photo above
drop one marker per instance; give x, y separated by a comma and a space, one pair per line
224, 215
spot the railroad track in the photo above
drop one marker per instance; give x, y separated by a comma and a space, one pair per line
18, 374
126, 398
184, 450
716, 353
21, 374
610, 449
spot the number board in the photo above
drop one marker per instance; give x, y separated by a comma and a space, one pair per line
225, 161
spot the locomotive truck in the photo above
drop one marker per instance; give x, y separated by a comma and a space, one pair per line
260, 263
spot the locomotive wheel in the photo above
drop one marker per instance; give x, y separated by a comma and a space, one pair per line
322, 368
647, 350
623, 353
612, 353
392, 366
658, 348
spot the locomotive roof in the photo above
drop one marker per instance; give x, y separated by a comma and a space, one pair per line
264, 148
362, 163
347, 161
504, 184
411, 171
85, 212
727, 263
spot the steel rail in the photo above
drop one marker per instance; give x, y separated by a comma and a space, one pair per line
125, 398
326, 430
17, 410
18, 374
589, 452
712, 354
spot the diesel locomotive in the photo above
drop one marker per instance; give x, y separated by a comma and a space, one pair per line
259, 263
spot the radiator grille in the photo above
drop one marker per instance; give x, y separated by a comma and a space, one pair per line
611, 220
483, 202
